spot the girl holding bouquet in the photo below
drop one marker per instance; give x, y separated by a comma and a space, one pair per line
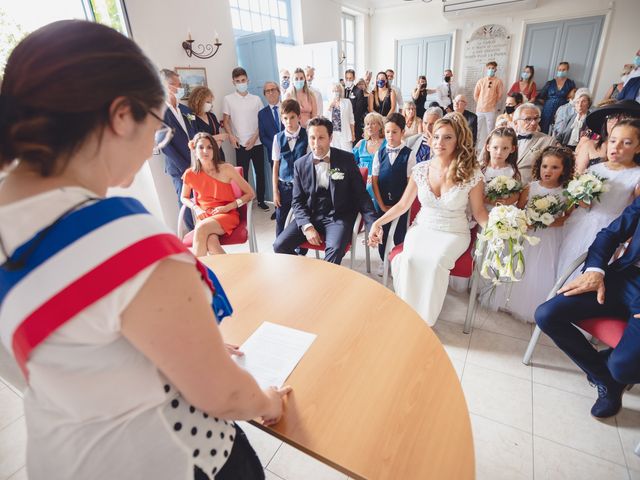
500, 168
544, 203
620, 175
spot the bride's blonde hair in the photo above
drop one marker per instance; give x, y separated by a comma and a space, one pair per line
464, 163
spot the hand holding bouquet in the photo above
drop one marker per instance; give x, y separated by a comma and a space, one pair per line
542, 210
501, 187
585, 188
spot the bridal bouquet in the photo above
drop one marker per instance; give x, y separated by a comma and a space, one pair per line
501, 187
585, 188
542, 210
505, 234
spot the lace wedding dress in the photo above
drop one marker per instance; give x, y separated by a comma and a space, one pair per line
438, 236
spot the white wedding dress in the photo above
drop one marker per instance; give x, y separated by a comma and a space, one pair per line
435, 240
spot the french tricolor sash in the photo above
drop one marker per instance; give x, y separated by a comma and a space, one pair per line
76, 261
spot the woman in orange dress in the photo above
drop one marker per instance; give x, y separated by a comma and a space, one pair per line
214, 202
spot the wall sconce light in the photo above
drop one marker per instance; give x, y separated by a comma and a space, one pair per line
343, 57
204, 51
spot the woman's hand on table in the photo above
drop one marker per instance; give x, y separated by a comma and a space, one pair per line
276, 404
234, 350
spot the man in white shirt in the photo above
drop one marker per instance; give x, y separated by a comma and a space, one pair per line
310, 73
241, 110
447, 91
399, 100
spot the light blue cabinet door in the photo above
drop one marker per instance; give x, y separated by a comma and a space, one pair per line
257, 55
410, 65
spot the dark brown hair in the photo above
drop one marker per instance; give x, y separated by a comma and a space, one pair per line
568, 163
291, 106
196, 164
635, 124
512, 159
237, 72
59, 84
397, 119
321, 122
492, 63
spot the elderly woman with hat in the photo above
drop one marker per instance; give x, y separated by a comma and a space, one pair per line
574, 124
591, 149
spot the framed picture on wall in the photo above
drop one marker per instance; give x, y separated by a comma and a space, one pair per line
191, 78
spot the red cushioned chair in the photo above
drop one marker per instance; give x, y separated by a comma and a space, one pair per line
243, 233
464, 266
358, 227
606, 329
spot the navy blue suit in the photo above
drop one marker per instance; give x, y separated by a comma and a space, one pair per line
332, 212
267, 128
176, 153
622, 299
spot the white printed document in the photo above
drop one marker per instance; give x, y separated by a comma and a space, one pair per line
272, 352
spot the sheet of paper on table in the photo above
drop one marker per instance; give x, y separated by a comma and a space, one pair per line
272, 352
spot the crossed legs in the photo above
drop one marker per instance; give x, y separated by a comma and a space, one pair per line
206, 238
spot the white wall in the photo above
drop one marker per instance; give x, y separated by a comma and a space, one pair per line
620, 37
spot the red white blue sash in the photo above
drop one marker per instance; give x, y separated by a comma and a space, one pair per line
82, 257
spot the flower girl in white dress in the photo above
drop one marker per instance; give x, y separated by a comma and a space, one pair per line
445, 185
623, 175
551, 172
500, 158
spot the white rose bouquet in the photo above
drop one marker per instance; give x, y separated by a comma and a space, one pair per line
542, 210
505, 234
585, 188
501, 187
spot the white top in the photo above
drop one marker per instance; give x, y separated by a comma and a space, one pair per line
322, 171
392, 153
490, 173
292, 139
178, 114
95, 406
243, 111
399, 100
442, 91
318, 96
575, 130
346, 119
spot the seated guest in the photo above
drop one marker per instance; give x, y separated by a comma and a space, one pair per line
299, 91
615, 89
531, 142
328, 193
201, 104
555, 93
631, 88
564, 113
575, 125
525, 86
214, 201
288, 146
241, 110
602, 290
413, 123
340, 112
460, 105
506, 119
422, 147
366, 148
392, 167
176, 152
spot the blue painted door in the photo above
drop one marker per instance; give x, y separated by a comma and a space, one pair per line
257, 55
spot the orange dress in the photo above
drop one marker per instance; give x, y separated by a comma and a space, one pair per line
211, 193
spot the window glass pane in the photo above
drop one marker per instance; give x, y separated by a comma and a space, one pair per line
256, 24
275, 25
245, 19
235, 19
109, 12
260, 15
351, 52
282, 9
273, 8
255, 5
264, 7
244, 4
233, 3
350, 34
284, 28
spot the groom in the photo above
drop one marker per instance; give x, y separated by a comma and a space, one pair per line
328, 193
602, 290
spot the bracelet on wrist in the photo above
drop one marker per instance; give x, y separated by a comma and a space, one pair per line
239, 202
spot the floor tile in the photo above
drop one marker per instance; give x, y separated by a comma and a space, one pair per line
503, 323
264, 444
455, 342
19, 475
10, 407
498, 396
454, 308
498, 352
553, 368
557, 462
564, 418
628, 422
13, 440
502, 452
269, 475
291, 464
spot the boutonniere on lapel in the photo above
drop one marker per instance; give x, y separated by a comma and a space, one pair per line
190, 117
336, 174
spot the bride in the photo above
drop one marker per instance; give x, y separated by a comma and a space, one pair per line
446, 185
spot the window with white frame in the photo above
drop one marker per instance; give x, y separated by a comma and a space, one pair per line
108, 12
250, 16
349, 40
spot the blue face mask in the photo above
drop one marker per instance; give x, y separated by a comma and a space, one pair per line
525, 75
298, 84
381, 83
179, 93
636, 60
242, 87
561, 74
491, 72
285, 84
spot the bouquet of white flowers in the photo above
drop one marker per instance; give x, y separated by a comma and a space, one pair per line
542, 210
501, 187
585, 188
504, 235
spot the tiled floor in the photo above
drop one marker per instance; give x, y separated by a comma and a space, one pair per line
528, 421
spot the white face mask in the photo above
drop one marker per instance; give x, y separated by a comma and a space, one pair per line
208, 106
348, 83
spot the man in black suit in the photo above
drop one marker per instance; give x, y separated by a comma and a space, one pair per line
459, 105
328, 193
359, 102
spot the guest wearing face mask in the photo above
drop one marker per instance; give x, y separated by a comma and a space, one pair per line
201, 104
383, 98
310, 73
554, 94
419, 96
299, 91
391, 75
631, 89
513, 101
447, 91
340, 112
526, 86
487, 94
285, 79
359, 103
615, 89
565, 114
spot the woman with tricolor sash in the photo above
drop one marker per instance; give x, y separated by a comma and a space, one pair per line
111, 320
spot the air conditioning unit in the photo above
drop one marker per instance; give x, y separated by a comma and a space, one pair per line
459, 8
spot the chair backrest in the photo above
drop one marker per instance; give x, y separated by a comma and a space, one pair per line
415, 208
364, 171
242, 211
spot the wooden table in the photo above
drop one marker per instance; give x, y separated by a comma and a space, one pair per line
375, 396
